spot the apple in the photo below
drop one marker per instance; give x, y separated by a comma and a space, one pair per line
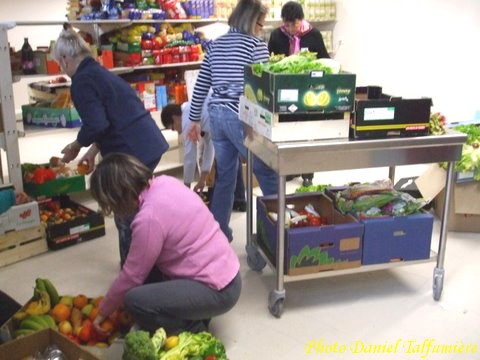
65, 327
67, 300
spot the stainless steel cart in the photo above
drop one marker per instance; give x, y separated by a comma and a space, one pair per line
288, 158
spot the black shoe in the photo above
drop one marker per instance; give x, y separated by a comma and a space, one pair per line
240, 206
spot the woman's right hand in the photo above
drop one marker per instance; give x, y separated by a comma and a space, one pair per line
71, 151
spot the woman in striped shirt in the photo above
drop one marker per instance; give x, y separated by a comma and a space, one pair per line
222, 70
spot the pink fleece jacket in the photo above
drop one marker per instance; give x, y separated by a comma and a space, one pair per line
176, 232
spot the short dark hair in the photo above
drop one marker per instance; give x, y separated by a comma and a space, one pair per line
292, 11
168, 112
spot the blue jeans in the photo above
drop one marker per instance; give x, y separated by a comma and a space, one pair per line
227, 133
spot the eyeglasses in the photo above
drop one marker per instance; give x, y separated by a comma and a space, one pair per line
260, 24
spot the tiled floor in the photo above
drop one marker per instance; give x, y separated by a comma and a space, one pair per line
357, 316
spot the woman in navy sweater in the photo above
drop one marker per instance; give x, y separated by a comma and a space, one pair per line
114, 119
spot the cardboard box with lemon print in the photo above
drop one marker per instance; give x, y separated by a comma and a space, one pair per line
297, 93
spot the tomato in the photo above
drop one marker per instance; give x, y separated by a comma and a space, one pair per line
314, 221
210, 357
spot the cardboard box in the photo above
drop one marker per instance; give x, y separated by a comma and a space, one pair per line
311, 249
297, 127
464, 210
22, 244
397, 238
297, 93
377, 115
37, 342
86, 226
50, 117
20, 217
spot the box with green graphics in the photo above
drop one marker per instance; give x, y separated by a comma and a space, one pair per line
301, 93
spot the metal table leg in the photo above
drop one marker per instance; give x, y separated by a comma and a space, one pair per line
277, 296
439, 271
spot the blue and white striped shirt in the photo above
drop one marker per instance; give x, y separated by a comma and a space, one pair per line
223, 70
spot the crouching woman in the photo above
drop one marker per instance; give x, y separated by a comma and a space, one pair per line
173, 233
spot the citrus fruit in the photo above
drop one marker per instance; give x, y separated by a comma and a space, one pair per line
80, 301
249, 93
323, 98
309, 99
61, 312
171, 342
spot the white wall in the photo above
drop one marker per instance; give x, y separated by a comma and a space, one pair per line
415, 48
411, 47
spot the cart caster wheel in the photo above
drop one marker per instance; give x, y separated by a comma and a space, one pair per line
437, 283
276, 309
275, 303
254, 260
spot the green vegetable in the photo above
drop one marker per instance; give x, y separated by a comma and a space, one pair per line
312, 188
302, 62
158, 339
199, 344
139, 346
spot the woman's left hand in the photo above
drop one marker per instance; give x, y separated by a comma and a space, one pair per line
96, 324
194, 131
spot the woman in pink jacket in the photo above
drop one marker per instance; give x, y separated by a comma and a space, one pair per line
174, 234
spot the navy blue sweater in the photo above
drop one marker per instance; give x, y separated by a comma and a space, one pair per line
113, 116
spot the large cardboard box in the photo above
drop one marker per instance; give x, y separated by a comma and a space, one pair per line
50, 117
59, 186
297, 127
297, 93
464, 210
85, 225
337, 245
28, 346
397, 238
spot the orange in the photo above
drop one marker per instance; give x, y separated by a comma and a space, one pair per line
96, 302
61, 312
107, 326
80, 301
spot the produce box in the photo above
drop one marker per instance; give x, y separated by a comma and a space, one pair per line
397, 238
22, 244
294, 127
59, 186
297, 93
377, 115
20, 217
464, 210
337, 245
50, 117
68, 223
28, 346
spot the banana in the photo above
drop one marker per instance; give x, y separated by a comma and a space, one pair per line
20, 315
40, 306
33, 322
52, 292
40, 285
22, 332
50, 321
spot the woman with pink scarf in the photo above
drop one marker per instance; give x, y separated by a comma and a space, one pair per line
294, 35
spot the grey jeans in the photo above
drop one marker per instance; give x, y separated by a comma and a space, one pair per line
180, 305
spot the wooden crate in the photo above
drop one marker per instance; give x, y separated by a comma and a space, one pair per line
22, 244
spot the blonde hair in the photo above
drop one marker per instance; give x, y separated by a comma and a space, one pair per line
117, 183
71, 44
245, 15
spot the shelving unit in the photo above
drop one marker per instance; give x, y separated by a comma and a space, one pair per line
288, 158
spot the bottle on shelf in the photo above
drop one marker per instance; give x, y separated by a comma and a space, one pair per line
27, 58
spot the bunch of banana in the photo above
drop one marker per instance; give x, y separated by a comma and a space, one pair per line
33, 323
45, 296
